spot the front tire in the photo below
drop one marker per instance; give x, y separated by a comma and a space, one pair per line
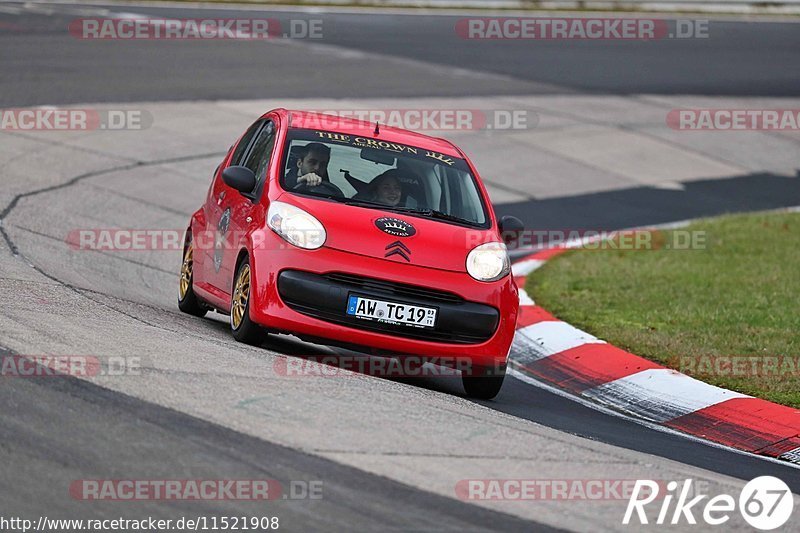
243, 329
483, 383
187, 299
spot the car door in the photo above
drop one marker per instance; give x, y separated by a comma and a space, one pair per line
217, 223
237, 211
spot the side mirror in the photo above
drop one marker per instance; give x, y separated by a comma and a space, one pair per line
511, 229
240, 178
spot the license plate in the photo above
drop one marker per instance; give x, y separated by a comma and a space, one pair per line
391, 312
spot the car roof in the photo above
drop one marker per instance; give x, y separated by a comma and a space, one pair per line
352, 126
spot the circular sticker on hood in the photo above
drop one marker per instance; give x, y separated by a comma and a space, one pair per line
395, 226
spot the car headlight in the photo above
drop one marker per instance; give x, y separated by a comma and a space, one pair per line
296, 226
488, 262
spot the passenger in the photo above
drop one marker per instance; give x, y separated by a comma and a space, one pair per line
386, 188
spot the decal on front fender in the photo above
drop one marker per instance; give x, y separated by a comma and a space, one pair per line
219, 238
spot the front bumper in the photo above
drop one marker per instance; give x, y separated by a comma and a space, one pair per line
304, 293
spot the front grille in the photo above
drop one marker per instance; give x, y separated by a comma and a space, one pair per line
394, 289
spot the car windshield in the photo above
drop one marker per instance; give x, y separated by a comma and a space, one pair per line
378, 174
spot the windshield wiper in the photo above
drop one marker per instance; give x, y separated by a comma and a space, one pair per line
441, 215
379, 205
447, 216
386, 207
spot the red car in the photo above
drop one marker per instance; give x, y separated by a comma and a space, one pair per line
348, 233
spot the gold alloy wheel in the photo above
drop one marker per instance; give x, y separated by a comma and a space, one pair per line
186, 272
240, 295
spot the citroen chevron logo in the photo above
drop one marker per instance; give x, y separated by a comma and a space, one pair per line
398, 248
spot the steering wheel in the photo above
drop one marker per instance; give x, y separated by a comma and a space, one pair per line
325, 187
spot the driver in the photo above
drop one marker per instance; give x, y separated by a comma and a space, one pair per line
312, 166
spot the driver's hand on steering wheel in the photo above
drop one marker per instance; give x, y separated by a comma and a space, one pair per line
309, 180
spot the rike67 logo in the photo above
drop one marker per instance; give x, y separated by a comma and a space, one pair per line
766, 503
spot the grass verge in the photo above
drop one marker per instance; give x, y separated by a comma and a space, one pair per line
726, 311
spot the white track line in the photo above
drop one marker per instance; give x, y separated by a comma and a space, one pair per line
659, 394
551, 337
524, 298
523, 268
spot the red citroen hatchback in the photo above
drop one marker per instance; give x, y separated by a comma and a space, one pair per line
343, 232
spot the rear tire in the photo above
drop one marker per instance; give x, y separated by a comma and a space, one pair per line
243, 329
187, 299
483, 383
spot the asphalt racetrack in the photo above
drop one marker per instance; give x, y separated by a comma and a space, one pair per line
389, 454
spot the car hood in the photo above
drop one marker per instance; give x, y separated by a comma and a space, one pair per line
394, 237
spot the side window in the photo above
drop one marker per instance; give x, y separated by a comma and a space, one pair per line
241, 148
259, 155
